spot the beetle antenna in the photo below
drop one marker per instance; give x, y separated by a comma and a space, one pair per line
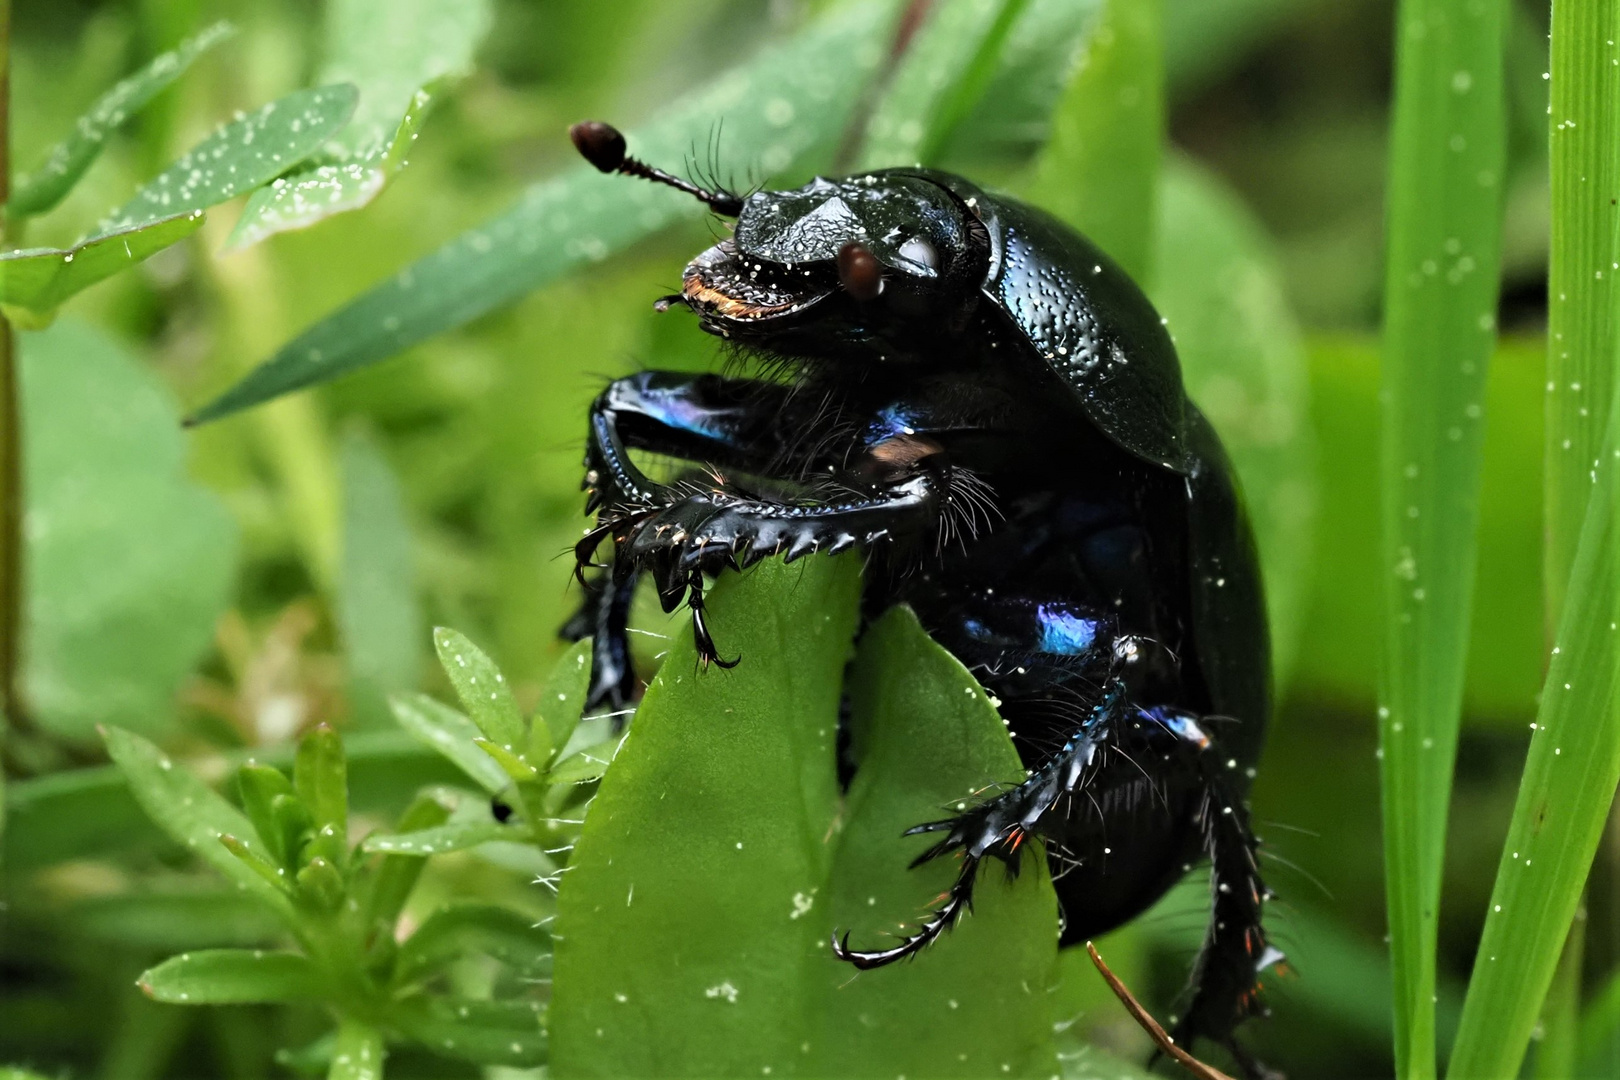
603, 146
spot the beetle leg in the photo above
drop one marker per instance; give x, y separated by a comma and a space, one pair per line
604, 617
1224, 987
997, 827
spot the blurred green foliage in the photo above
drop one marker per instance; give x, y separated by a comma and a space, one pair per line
223, 593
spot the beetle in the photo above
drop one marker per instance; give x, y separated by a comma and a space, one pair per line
979, 399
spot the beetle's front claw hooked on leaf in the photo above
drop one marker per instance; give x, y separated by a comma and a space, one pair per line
956, 900
708, 652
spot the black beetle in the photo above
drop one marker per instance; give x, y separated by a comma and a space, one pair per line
976, 396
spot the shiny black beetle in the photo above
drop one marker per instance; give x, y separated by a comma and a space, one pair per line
990, 408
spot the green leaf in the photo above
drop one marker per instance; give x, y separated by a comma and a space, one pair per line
1219, 287
483, 1032
510, 763
1443, 252
301, 199
233, 977
240, 156
34, 282
390, 49
320, 884
397, 874
692, 932
451, 734
508, 936
977, 1003
456, 836
358, 1053
481, 687
562, 700
320, 776
944, 72
45, 187
129, 564
787, 101
724, 790
377, 608
1099, 170
258, 786
581, 768
191, 813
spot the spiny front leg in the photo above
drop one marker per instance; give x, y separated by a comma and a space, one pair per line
999, 826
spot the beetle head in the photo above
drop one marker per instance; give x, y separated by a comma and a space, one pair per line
876, 265
868, 265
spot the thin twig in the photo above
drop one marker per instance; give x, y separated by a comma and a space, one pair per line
1151, 1026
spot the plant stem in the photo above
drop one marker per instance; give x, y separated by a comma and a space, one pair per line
11, 554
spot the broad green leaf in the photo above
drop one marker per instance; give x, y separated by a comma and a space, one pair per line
456, 836
1099, 170
563, 698
240, 156
390, 49
1443, 226
128, 563
484, 1032
978, 1002
377, 608
451, 932
481, 687
358, 1053
301, 199
942, 75
190, 812
46, 186
681, 950
1219, 287
1570, 776
787, 101
234, 977
451, 734
321, 778
34, 282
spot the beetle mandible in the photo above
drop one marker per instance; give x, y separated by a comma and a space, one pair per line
978, 398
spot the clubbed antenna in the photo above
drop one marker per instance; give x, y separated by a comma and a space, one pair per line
603, 146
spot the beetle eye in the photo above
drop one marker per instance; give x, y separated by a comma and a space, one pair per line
859, 271
921, 252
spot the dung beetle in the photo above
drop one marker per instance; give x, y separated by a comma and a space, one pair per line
975, 396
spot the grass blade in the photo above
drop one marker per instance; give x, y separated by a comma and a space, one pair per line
45, 187
789, 100
1582, 272
1100, 168
1569, 782
1444, 241
1559, 817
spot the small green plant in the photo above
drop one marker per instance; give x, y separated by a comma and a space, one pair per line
341, 904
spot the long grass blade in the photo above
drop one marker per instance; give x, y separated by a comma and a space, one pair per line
1560, 812
1444, 241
